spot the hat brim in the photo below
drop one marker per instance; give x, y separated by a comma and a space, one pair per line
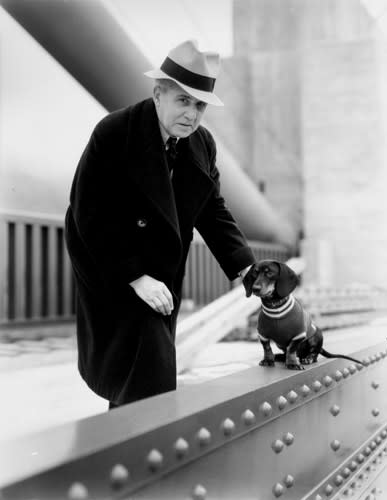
202, 95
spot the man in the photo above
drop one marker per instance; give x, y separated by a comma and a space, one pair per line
135, 200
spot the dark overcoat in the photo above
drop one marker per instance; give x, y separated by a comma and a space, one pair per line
128, 218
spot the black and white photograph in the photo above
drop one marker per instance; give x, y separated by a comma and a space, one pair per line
193, 249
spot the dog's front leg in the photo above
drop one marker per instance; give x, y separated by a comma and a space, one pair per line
268, 356
292, 362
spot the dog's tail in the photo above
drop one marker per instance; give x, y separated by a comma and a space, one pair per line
330, 355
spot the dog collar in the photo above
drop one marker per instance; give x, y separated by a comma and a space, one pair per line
279, 312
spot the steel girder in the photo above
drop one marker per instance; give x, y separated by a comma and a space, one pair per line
257, 434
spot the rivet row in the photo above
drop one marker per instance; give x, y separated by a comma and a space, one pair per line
120, 475
338, 480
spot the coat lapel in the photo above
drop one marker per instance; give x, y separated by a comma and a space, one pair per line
149, 170
191, 180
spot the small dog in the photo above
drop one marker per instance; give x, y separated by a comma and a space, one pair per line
282, 318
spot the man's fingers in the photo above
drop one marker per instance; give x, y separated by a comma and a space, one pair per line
161, 305
157, 305
168, 297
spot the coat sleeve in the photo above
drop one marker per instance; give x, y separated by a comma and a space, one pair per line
219, 229
96, 213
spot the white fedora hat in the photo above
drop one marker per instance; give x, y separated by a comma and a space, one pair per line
192, 70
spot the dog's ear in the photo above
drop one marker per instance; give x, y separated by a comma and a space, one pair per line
287, 280
249, 280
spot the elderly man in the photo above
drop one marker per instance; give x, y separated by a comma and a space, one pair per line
146, 179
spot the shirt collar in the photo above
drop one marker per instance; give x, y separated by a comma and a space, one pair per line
164, 134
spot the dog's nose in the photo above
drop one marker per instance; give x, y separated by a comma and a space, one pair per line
257, 288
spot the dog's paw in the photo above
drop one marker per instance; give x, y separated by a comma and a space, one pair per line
294, 366
307, 361
267, 362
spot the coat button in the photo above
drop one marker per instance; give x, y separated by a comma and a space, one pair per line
142, 222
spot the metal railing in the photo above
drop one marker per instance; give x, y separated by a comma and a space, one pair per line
35, 274
36, 277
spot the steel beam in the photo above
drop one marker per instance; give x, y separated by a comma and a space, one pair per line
86, 39
259, 433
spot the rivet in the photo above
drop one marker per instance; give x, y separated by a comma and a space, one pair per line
339, 480
305, 390
346, 472
265, 408
374, 358
289, 481
338, 375
384, 433
345, 372
353, 466
248, 417
367, 451
328, 490
292, 397
353, 485
278, 489
374, 385
375, 412
288, 439
204, 436
181, 447
318, 497
335, 445
365, 362
78, 491
360, 458
199, 492
119, 476
373, 445
281, 402
335, 410
327, 380
155, 460
352, 369
277, 446
228, 427
378, 356
316, 386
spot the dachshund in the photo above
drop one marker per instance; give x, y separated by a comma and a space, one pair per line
282, 318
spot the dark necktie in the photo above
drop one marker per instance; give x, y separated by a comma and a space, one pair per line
171, 151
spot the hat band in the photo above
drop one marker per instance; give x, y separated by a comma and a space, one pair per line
198, 82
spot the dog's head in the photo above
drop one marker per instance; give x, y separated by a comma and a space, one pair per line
268, 277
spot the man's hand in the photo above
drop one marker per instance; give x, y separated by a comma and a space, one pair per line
244, 271
154, 293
